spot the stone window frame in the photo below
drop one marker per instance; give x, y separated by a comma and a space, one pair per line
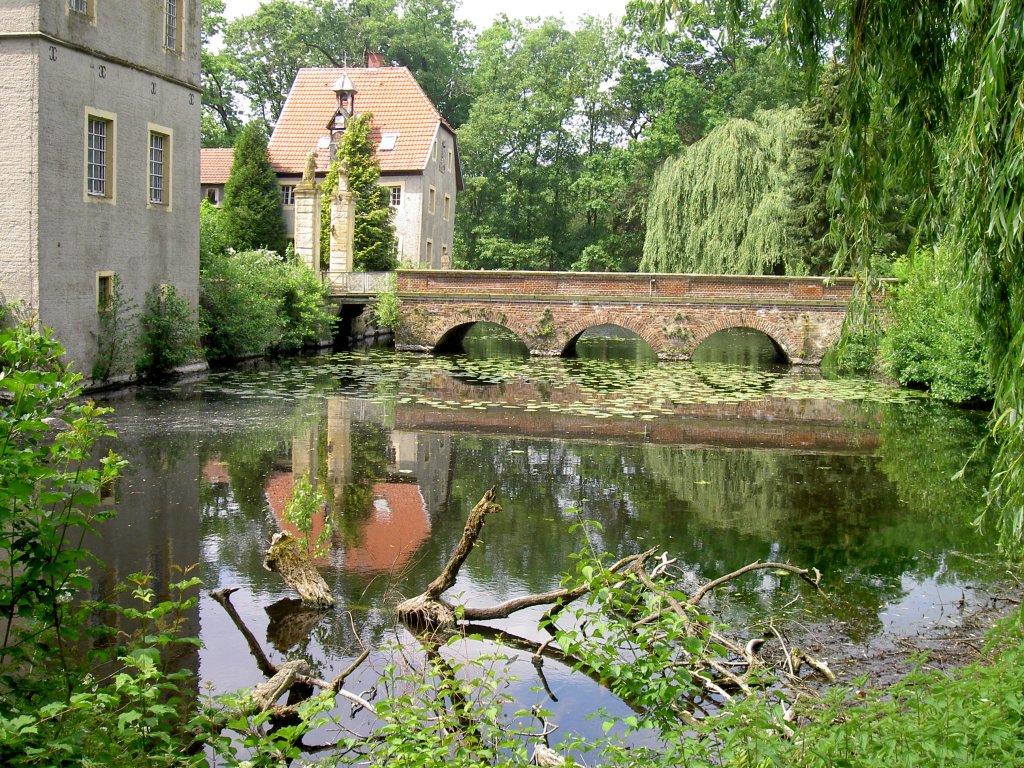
173, 25
167, 179
104, 291
432, 201
106, 190
287, 194
395, 194
451, 161
81, 9
447, 207
430, 254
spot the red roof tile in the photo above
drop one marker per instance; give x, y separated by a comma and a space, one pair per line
391, 94
215, 165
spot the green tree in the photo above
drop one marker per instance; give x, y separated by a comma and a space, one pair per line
220, 119
723, 205
252, 215
374, 244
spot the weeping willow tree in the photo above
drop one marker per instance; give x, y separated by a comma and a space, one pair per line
950, 73
723, 205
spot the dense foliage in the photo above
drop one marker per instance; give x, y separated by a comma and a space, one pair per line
56, 708
374, 246
724, 205
934, 339
255, 302
252, 215
168, 333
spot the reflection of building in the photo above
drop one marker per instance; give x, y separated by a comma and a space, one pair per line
99, 130
395, 529
414, 485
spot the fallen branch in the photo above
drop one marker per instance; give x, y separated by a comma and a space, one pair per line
803, 573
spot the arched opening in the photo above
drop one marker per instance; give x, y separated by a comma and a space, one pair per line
482, 340
611, 343
741, 346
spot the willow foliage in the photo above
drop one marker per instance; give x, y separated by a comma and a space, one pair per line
723, 205
949, 73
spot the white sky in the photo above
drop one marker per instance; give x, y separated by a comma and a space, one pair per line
481, 12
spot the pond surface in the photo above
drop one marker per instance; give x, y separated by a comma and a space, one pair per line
719, 464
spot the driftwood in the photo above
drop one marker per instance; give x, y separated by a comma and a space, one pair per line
428, 610
288, 557
723, 667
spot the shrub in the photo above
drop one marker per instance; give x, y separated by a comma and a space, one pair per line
934, 340
168, 333
115, 342
254, 303
213, 241
386, 309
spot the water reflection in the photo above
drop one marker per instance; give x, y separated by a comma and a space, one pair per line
740, 346
748, 466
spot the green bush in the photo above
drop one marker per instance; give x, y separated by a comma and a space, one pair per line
255, 303
168, 333
934, 340
115, 342
213, 240
252, 216
54, 709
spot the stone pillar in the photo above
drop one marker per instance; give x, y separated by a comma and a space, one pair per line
343, 224
307, 224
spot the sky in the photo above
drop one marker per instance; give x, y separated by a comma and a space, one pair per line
481, 12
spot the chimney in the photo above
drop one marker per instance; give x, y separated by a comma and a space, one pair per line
374, 59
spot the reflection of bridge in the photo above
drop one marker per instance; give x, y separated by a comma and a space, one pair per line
672, 313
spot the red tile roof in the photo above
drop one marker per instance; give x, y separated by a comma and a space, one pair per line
215, 165
391, 94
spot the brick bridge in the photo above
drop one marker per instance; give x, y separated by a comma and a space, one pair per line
549, 311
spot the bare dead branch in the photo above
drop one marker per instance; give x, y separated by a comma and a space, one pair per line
803, 573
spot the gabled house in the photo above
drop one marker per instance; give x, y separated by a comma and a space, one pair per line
99, 134
214, 169
416, 148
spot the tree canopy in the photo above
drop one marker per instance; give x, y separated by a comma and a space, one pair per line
252, 216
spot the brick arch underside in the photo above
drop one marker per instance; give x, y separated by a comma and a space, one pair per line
581, 324
445, 329
785, 341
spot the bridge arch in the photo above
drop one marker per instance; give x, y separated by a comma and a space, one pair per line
450, 340
578, 327
778, 336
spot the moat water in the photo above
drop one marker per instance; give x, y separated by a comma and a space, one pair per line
721, 461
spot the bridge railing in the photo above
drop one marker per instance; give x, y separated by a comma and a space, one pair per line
355, 283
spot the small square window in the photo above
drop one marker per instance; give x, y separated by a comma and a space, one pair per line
288, 194
388, 141
78, 6
432, 200
395, 196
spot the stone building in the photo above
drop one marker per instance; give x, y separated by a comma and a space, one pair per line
99, 140
416, 148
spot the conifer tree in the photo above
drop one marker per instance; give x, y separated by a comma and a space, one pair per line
374, 244
252, 198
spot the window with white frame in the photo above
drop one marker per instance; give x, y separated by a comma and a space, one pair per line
287, 194
159, 153
395, 196
171, 24
78, 6
99, 156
